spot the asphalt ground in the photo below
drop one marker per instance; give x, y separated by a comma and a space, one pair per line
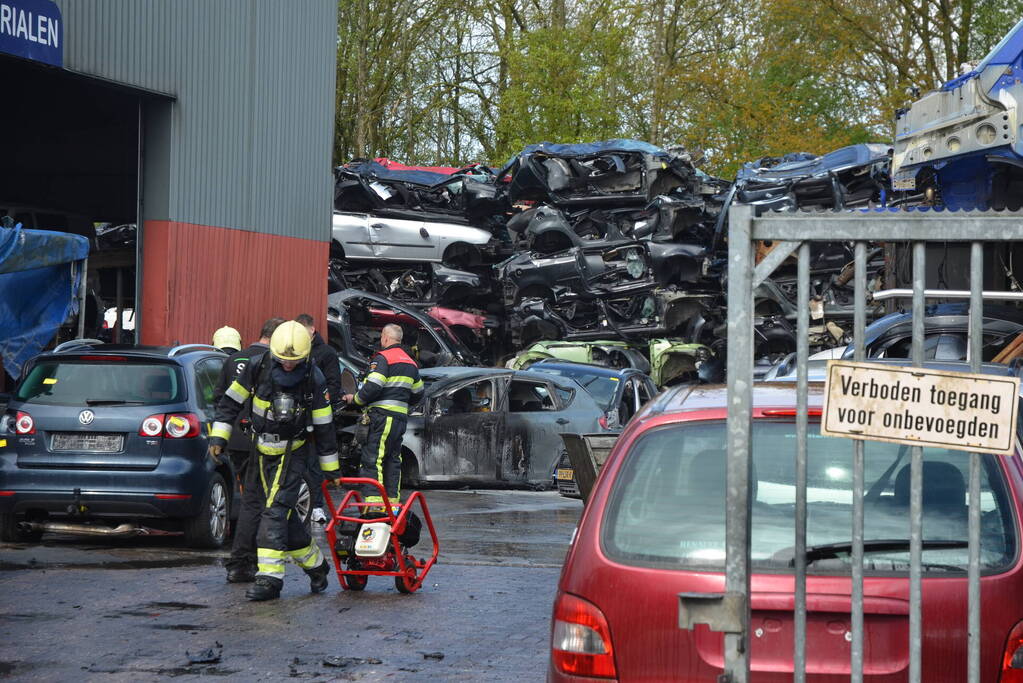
146, 608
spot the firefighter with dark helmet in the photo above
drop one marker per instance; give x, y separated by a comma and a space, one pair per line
390, 387
289, 399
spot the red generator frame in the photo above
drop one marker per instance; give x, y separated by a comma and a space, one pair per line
353, 572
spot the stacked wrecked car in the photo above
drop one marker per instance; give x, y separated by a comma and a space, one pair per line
610, 244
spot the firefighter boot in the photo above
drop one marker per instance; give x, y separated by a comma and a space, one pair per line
318, 577
241, 575
265, 588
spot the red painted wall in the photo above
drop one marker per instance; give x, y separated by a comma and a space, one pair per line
196, 278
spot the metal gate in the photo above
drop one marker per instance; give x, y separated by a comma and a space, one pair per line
792, 234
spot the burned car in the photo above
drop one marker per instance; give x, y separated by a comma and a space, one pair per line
355, 318
493, 425
421, 284
666, 361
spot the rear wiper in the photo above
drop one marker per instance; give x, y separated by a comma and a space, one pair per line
110, 402
833, 550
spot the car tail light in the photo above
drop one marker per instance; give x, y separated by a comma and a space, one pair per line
1012, 660
581, 639
603, 422
181, 426
152, 426
24, 424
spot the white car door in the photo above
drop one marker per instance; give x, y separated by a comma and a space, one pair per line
399, 239
351, 230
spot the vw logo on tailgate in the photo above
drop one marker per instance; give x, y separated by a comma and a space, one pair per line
86, 417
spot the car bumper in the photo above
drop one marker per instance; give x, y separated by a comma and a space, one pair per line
176, 488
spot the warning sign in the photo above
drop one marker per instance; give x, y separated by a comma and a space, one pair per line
921, 407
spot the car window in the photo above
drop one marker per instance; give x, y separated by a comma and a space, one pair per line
627, 404
644, 392
478, 397
564, 395
667, 507
600, 386
207, 372
78, 382
529, 397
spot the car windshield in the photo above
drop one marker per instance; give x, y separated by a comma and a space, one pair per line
601, 387
667, 508
96, 382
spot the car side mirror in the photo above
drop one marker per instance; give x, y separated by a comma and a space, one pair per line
349, 384
484, 403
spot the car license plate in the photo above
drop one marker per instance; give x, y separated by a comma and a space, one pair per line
87, 442
566, 474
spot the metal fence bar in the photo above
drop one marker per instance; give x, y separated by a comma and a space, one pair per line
802, 356
859, 332
740, 415
976, 357
916, 476
872, 227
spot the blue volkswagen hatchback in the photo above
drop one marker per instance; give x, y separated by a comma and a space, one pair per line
111, 441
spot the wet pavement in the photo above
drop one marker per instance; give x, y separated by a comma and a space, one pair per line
147, 609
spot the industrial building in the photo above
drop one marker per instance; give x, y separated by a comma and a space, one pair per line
208, 125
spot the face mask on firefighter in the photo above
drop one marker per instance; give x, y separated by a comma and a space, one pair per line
285, 407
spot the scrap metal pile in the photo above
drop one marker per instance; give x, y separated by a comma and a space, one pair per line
615, 252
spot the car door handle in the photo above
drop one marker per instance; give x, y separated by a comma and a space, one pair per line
377, 226
562, 421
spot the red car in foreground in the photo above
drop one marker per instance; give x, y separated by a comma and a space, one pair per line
654, 527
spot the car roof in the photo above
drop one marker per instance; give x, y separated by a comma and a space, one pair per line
138, 351
458, 371
590, 368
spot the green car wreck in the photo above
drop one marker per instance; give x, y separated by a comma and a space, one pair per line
666, 361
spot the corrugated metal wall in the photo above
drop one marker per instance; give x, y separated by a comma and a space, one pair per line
250, 132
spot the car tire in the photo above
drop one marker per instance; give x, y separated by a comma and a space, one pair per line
211, 527
410, 471
10, 533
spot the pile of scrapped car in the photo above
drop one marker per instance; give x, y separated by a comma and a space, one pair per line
614, 252
610, 253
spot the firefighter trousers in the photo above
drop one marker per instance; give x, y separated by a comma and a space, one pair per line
381, 454
282, 535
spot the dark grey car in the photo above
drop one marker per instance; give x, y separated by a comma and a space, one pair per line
494, 425
111, 441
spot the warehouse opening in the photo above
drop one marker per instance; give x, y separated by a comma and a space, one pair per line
71, 164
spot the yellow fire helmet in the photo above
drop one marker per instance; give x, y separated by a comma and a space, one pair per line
227, 338
290, 341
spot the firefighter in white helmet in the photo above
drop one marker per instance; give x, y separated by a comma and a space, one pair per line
288, 395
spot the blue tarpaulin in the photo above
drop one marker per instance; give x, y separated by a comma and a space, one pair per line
37, 289
375, 169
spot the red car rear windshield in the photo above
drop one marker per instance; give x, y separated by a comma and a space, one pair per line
667, 506
93, 382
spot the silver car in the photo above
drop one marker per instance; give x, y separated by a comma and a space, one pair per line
368, 237
494, 425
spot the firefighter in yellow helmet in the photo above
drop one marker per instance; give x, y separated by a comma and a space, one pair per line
287, 394
227, 339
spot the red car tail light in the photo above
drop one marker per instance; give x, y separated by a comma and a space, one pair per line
581, 639
603, 421
152, 426
1012, 660
24, 424
181, 426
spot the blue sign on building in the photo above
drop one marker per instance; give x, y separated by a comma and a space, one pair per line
32, 29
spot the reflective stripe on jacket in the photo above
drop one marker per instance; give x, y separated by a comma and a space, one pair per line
392, 382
